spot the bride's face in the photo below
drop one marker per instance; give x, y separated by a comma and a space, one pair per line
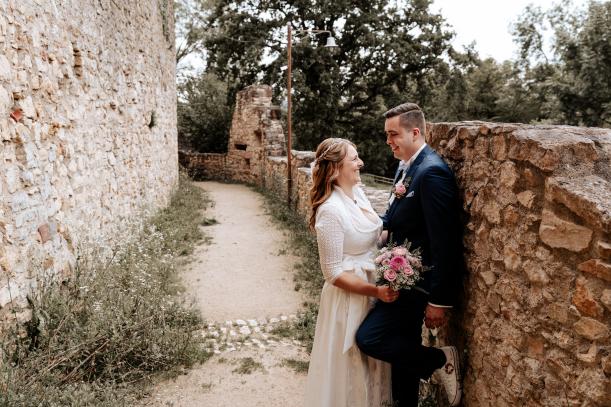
349, 173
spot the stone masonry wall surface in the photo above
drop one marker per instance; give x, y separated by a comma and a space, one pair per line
537, 314
88, 128
534, 327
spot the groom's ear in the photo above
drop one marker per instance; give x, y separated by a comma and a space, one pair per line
415, 133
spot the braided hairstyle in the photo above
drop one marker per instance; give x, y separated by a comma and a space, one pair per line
329, 156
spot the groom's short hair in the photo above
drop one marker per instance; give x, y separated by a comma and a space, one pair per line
410, 116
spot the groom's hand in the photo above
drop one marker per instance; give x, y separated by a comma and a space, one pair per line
434, 317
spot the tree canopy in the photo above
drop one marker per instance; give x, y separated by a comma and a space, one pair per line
392, 52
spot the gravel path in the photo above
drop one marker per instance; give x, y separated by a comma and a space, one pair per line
243, 285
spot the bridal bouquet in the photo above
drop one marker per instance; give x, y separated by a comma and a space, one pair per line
397, 267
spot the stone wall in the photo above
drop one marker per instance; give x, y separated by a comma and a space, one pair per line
88, 128
538, 246
534, 326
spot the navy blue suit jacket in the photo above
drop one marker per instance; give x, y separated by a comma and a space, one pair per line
428, 215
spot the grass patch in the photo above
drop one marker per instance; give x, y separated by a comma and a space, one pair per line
248, 366
307, 274
300, 366
97, 336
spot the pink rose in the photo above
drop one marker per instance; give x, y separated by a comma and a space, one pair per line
408, 271
400, 189
397, 263
399, 251
390, 275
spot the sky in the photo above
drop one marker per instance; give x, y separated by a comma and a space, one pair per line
487, 22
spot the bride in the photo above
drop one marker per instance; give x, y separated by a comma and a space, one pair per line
347, 229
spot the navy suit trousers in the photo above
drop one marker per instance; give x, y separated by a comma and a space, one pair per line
392, 332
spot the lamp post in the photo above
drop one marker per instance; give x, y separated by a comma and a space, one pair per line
330, 44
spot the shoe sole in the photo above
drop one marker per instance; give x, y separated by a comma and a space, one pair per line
457, 395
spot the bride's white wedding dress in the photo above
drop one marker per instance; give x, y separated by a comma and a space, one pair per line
339, 374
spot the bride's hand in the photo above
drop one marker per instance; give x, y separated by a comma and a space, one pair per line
387, 294
383, 239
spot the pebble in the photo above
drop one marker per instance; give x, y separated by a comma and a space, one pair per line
234, 335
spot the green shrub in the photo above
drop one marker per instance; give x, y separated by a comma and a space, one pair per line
96, 336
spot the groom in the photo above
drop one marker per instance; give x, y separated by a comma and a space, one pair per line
424, 209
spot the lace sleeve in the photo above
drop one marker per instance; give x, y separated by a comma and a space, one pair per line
330, 237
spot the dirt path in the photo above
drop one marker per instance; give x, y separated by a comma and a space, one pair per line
243, 286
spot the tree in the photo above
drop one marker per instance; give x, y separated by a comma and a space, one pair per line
388, 53
575, 80
204, 118
190, 26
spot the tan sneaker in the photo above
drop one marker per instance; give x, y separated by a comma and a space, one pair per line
449, 375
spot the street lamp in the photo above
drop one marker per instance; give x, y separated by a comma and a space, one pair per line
330, 44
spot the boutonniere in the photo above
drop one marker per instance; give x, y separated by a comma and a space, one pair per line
401, 188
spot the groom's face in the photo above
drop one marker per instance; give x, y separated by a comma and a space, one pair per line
403, 142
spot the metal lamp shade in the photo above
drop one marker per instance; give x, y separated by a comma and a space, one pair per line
331, 42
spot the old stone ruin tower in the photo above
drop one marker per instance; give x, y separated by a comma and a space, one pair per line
88, 128
535, 325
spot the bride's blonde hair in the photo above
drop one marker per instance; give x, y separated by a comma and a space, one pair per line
329, 156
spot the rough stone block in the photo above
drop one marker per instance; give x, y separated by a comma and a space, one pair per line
597, 268
535, 346
558, 233
526, 198
590, 356
499, 148
558, 312
492, 212
45, 233
584, 299
589, 197
591, 329
605, 298
604, 250
535, 273
547, 148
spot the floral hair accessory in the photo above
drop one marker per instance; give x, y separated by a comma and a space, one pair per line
321, 157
